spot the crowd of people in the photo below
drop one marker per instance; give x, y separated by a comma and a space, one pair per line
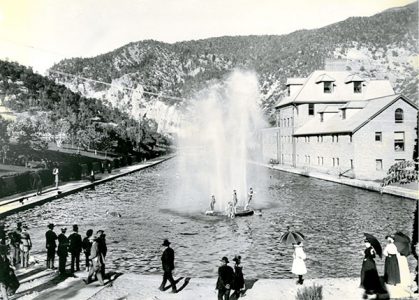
92, 245
396, 268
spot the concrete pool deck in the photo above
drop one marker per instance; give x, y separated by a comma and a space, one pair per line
363, 184
25, 201
47, 285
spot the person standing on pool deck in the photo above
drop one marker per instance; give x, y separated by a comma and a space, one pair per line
50, 237
87, 246
168, 264
391, 265
75, 248
225, 280
298, 264
62, 251
56, 172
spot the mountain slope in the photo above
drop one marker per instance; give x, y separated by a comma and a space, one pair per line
381, 46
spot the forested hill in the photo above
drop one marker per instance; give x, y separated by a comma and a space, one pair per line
48, 112
381, 46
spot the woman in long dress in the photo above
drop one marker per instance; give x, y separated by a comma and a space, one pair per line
405, 278
391, 265
298, 264
370, 280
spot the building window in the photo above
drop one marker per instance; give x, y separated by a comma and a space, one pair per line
321, 117
337, 161
357, 87
399, 140
288, 122
328, 87
318, 160
333, 160
333, 138
378, 136
311, 109
308, 139
352, 164
343, 114
321, 139
322, 161
318, 139
337, 138
398, 115
308, 156
350, 138
379, 164
288, 91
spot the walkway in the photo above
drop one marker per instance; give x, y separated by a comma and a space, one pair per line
364, 184
25, 201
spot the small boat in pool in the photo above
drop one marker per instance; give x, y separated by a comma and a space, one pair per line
239, 213
244, 213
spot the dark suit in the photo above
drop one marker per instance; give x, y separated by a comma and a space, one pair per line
225, 277
62, 252
168, 264
50, 244
75, 249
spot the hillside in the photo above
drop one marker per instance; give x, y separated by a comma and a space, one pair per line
49, 112
381, 46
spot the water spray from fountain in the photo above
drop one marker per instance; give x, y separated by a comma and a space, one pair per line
217, 138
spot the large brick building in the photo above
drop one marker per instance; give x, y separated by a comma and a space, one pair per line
339, 123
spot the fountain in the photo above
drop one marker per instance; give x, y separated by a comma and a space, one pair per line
217, 138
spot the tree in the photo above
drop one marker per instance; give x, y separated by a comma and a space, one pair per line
29, 131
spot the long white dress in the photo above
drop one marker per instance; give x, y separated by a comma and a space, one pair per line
298, 264
405, 278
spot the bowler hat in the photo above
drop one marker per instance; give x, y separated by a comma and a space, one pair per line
225, 259
166, 243
51, 226
63, 229
75, 227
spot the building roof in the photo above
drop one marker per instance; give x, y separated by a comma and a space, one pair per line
351, 124
353, 77
329, 109
324, 78
312, 89
296, 81
354, 104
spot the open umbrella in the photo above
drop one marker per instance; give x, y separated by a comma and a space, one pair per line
374, 243
402, 243
291, 237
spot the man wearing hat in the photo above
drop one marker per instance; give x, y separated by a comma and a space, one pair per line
50, 237
62, 250
225, 279
168, 264
75, 243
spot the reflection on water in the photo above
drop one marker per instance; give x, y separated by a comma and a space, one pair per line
333, 217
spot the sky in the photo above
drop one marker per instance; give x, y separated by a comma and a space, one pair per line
39, 33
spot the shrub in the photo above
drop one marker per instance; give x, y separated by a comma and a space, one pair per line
314, 292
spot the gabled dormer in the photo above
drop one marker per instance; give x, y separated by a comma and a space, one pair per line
328, 83
357, 83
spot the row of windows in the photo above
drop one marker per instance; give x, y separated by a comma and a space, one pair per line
335, 139
286, 122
